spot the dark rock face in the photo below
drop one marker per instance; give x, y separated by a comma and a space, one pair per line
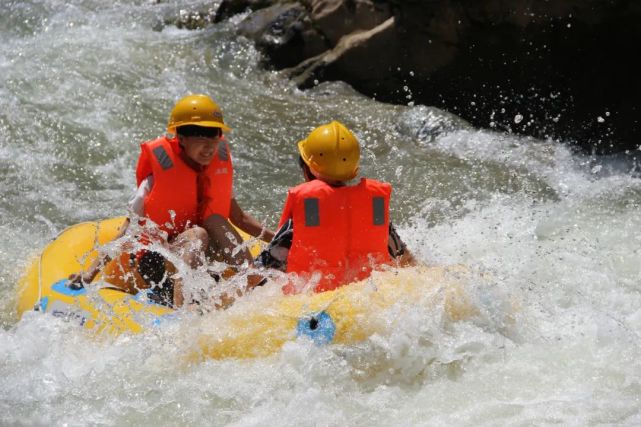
560, 69
189, 19
229, 8
563, 69
284, 33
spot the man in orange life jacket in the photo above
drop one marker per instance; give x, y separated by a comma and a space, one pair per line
329, 225
185, 188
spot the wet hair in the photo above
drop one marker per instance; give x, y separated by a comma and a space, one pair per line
194, 130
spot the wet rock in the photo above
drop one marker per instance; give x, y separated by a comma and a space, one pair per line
284, 33
336, 18
229, 8
348, 59
561, 69
191, 19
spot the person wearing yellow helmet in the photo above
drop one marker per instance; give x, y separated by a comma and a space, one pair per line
185, 201
332, 226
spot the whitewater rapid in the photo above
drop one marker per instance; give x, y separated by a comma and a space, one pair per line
551, 236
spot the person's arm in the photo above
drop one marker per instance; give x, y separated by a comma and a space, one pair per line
248, 223
398, 250
90, 273
224, 240
143, 166
226, 299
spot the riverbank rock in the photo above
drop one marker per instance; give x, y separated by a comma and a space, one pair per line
189, 19
562, 69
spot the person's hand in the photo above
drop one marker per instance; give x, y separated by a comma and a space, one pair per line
267, 235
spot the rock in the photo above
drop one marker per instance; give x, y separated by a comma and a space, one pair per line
336, 18
284, 33
347, 61
190, 19
229, 8
561, 69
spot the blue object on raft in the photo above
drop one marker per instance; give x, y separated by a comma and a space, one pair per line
319, 327
62, 286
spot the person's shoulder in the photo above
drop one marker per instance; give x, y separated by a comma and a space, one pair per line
369, 182
315, 184
301, 186
161, 140
373, 181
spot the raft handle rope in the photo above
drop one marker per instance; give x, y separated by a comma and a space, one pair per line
38, 305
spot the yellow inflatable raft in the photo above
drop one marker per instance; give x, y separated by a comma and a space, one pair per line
347, 315
255, 329
43, 287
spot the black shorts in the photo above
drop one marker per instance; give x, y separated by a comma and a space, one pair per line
151, 266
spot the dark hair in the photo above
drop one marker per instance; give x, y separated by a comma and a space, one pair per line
195, 130
301, 162
306, 170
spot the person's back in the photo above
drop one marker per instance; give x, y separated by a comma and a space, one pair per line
341, 231
330, 225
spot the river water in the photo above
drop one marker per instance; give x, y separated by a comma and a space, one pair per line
554, 234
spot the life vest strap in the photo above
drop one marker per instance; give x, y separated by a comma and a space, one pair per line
223, 153
378, 208
312, 212
163, 158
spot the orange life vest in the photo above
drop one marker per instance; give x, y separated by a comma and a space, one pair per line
341, 232
175, 201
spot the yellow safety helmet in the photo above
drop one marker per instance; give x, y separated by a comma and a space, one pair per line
199, 110
331, 151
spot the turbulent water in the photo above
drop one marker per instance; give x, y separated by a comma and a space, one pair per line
552, 237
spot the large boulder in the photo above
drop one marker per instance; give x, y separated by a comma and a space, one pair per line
284, 33
349, 60
561, 69
336, 18
229, 8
